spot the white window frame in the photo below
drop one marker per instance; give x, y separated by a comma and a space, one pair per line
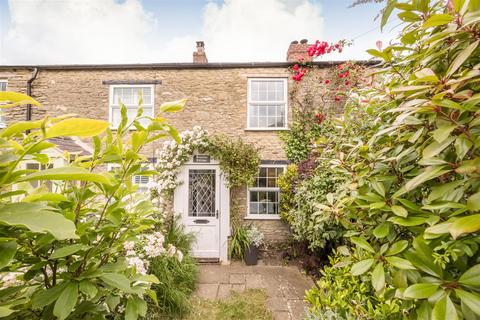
264, 216
3, 124
285, 98
149, 166
112, 103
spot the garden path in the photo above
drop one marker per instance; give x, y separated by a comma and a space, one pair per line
284, 285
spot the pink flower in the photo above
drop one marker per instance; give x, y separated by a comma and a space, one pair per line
379, 44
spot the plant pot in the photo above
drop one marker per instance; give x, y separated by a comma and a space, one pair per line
251, 255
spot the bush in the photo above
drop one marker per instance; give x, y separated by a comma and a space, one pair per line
177, 279
78, 251
338, 295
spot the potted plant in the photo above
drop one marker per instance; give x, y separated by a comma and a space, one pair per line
255, 238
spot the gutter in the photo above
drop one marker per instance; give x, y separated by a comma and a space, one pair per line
29, 92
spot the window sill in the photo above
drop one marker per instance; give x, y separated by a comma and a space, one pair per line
262, 217
266, 129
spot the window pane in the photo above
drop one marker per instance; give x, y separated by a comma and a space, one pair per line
272, 182
116, 117
272, 172
3, 86
262, 208
253, 122
262, 122
263, 172
253, 196
254, 208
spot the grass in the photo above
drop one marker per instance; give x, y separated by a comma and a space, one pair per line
250, 304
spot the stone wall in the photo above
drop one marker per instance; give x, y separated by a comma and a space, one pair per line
217, 101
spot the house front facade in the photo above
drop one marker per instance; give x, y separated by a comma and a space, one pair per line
245, 100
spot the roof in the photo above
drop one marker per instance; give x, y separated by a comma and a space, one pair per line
70, 145
214, 65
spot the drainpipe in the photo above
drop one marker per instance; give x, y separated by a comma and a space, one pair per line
29, 92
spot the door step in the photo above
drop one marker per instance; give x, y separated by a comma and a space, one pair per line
208, 260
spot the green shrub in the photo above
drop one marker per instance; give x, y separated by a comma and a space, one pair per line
239, 241
287, 185
338, 295
177, 279
77, 251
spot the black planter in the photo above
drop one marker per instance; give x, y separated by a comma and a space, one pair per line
251, 255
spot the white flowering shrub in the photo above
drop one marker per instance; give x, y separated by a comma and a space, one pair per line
255, 236
169, 160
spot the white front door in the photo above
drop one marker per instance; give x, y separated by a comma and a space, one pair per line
198, 201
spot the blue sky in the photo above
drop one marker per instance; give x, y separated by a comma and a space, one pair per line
129, 31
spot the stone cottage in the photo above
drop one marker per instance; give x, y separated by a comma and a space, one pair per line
247, 100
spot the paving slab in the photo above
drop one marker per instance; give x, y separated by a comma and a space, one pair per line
284, 285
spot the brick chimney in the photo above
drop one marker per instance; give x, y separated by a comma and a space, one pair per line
298, 50
200, 56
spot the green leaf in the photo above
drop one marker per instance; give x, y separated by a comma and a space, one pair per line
382, 230
66, 301
13, 99
5, 311
463, 225
43, 298
46, 196
362, 243
88, 288
437, 20
473, 202
68, 174
19, 127
461, 57
408, 222
472, 300
443, 133
378, 277
471, 277
444, 309
173, 106
68, 250
400, 263
79, 127
428, 174
37, 217
462, 145
436, 147
361, 267
387, 12
131, 311
117, 280
420, 290
440, 191
400, 211
397, 247
8, 248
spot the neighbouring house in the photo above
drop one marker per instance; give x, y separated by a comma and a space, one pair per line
247, 100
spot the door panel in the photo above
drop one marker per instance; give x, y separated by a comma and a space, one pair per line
198, 201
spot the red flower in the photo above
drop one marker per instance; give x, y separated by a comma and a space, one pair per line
337, 98
347, 83
327, 81
296, 67
320, 118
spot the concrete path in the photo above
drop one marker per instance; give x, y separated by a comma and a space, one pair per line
284, 285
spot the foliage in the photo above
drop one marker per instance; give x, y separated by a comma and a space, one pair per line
255, 236
177, 278
412, 166
239, 241
65, 247
287, 185
238, 160
311, 219
250, 304
338, 295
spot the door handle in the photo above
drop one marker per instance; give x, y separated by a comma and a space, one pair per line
216, 214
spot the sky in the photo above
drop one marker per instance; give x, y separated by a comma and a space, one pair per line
34, 32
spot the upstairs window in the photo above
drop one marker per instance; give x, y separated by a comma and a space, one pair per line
130, 95
267, 104
3, 87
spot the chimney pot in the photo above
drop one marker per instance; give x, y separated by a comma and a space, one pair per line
200, 56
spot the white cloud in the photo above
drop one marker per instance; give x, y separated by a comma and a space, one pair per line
71, 31
108, 31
